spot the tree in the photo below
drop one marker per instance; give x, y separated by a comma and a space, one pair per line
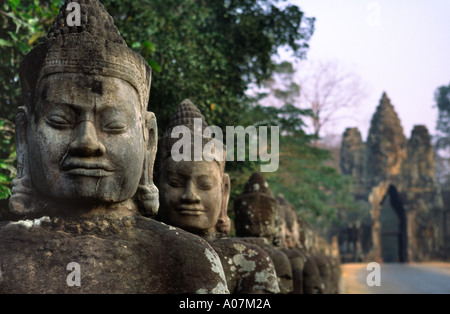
23, 24
442, 99
442, 137
317, 190
7, 157
329, 91
278, 96
442, 170
209, 51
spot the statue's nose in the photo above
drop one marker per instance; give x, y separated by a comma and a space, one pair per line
85, 142
190, 194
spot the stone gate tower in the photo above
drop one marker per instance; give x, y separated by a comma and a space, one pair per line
395, 177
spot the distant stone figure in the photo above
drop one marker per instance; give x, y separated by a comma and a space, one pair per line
86, 146
194, 196
290, 242
256, 221
321, 262
315, 271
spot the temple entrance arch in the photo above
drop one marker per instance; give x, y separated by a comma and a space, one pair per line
393, 228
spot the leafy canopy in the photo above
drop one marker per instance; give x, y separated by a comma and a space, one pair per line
209, 51
442, 99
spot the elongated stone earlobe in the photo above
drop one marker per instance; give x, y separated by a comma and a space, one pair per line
20, 201
147, 194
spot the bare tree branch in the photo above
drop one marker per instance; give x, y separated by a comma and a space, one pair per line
327, 88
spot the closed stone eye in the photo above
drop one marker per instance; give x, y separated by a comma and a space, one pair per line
116, 127
58, 121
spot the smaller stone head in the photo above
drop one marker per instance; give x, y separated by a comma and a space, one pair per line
256, 212
194, 191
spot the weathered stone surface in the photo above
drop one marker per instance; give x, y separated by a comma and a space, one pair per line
420, 165
248, 268
315, 268
280, 261
289, 242
389, 164
256, 212
304, 262
118, 251
256, 220
312, 281
288, 224
386, 143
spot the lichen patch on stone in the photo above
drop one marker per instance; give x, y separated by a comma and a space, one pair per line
244, 264
31, 223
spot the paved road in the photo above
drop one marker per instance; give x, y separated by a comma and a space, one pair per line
417, 278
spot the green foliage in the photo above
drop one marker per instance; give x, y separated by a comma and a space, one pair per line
7, 157
209, 51
315, 189
318, 191
23, 24
442, 99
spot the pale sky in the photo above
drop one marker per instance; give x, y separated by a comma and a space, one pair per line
398, 46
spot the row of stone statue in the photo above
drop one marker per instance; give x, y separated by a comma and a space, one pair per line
273, 251
92, 219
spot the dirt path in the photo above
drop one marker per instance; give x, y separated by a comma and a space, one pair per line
413, 278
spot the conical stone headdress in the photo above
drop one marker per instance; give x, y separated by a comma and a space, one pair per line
93, 47
188, 115
185, 114
257, 184
256, 210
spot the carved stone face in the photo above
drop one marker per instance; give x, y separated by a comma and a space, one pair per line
256, 215
85, 138
191, 195
292, 236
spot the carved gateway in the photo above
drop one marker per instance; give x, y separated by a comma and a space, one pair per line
395, 177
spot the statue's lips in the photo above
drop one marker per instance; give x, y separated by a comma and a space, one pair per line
190, 210
88, 169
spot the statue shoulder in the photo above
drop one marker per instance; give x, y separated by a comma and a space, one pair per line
196, 264
248, 262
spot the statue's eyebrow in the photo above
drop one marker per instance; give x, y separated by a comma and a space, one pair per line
175, 174
62, 105
47, 106
112, 106
206, 176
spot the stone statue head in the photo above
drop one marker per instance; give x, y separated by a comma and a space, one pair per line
193, 193
256, 212
84, 135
